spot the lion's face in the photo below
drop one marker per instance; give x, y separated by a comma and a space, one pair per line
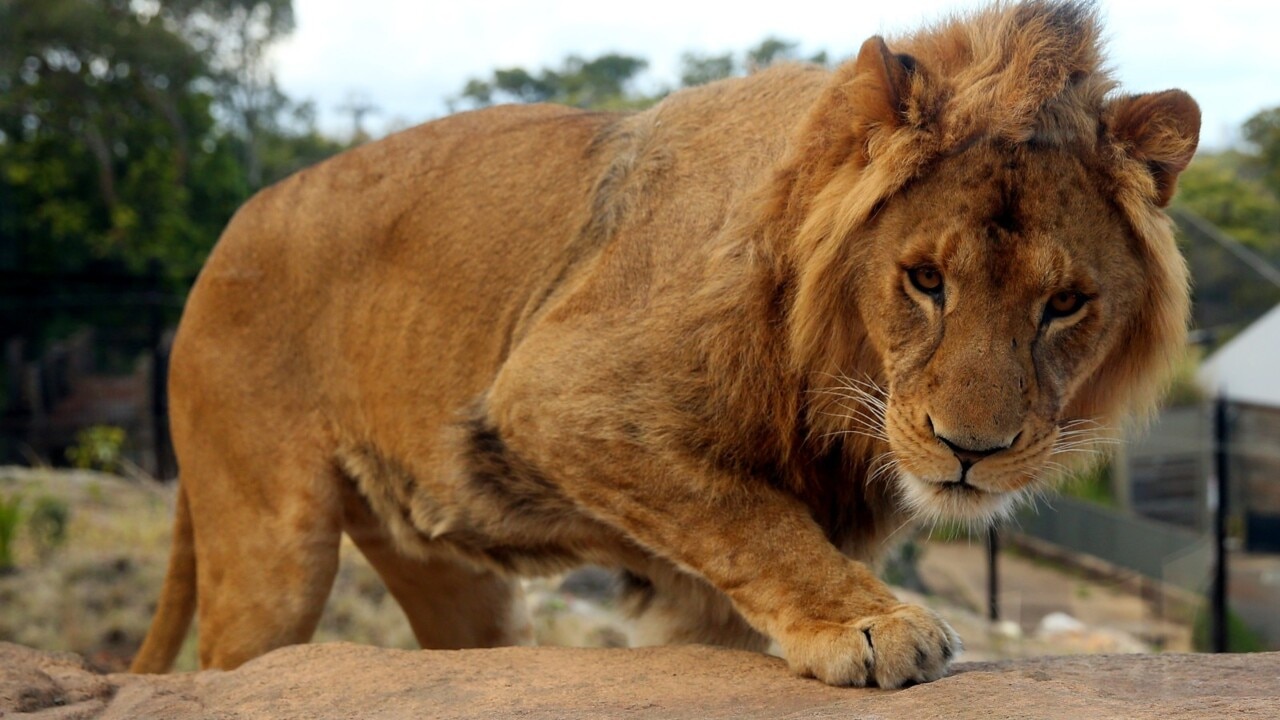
1006, 276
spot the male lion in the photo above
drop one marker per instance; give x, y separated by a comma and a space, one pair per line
729, 345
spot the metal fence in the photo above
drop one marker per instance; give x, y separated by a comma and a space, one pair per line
1157, 550
78, 351
1197, 507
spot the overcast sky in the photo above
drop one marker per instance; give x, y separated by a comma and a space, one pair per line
407, 56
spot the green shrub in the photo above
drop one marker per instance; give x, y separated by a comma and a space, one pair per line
47, 525
1240, 638
10, 518
98, 447
902, 567
1093, 485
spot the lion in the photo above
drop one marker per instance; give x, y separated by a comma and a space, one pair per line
727, 345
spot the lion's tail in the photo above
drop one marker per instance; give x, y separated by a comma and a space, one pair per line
177, 598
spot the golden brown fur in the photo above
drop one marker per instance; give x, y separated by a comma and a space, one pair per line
693, 343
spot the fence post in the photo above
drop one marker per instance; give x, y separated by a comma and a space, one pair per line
993, 576
1220, 495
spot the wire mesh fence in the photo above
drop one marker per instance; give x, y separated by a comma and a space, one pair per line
83, 367
1196, 508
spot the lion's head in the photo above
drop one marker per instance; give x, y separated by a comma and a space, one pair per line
989, 217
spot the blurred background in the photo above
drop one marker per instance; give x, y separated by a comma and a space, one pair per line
131, 130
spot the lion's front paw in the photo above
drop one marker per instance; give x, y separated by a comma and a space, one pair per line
908, 644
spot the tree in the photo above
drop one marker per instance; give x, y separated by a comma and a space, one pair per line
301, 144
603, 82
769, 51
607, 82
130, 131
698, 69
108, 148
1217, 188
1239, 190
1262, 131
233, 36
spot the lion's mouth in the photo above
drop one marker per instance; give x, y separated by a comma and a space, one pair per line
955, 499
963, 487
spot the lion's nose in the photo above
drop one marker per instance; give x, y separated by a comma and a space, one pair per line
969, 456
967, 453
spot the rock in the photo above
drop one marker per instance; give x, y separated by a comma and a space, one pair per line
343, 681
1007, 629
1067, 632
58, 685
1059, 622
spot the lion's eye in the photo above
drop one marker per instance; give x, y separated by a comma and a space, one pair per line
1064, 303
926, 279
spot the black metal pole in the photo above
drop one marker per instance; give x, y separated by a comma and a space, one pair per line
1221, 493
993, 576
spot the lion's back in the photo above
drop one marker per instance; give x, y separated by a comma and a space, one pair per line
415, 251
391, 281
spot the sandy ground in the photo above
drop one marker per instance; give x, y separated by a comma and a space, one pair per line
1030, 590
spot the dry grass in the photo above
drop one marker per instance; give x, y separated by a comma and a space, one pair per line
95, 594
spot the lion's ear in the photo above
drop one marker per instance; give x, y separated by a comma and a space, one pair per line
882, 83
1160, 129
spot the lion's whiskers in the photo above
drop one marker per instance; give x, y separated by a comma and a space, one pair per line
1082, 436
863, 409
863, 413
886, 468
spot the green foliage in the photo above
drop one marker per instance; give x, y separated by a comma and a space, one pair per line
1220, 189
10, 518
1263, 132
697, 69
902, 566
602, 82
130, 131
1093, 485
283, 153
1239, 190
606, 82
1184, 389
234, 37
769, 51
108, 134
47, 525
98, 447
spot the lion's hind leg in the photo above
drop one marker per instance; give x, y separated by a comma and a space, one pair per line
268, 554
450, 604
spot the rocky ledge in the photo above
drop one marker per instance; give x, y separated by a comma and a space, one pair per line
346, 681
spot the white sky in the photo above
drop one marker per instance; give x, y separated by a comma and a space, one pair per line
407, 56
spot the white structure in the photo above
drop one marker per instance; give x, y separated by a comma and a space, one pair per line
1247, 369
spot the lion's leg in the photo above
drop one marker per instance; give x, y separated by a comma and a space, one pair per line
670, 607
449, 603
752, 540
268, 553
